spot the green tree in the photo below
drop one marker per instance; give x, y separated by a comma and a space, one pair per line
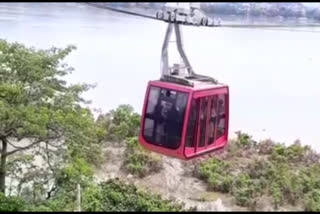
39, 111
120, 123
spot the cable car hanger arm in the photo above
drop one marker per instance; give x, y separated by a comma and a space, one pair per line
164, 55
174, 74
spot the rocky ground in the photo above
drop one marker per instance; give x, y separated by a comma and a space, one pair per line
174, 182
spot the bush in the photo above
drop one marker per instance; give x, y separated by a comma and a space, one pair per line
92, 199
265, 147
278, 153
242, 146
216, 173
115, 196
293, 154
233, 149
11, 204
286, 184
296, 152
258, 168
312, 201
243, 189
120, 124
139, 161
245, 141
287, 173
310, 178
276, 195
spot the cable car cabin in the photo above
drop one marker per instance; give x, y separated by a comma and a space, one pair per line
183, 121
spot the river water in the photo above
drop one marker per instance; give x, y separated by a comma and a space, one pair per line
273, 75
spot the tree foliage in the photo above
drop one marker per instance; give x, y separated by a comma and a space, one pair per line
120, 123
43, 117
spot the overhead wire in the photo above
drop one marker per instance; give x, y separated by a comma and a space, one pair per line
254, 26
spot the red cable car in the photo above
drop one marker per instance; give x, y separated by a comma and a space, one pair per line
184, 116
185, 122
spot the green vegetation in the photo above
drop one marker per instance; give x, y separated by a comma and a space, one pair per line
216, 172
287, 174
110, 196
11, 204
116, 196
120, 124
139, 161
44, 118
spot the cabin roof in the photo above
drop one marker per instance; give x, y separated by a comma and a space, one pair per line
197, 85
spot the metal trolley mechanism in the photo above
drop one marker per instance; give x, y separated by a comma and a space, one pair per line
179, 73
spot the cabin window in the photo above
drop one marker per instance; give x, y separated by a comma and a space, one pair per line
221, 122
213, 119
164, 117
193, 118
208, 116
203, 120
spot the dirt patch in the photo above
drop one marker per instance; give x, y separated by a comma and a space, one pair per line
114, 159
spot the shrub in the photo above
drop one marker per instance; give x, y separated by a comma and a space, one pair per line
91, 199
265, 147
115, 196
215, 172
312, 201
310, 178
139, 161
243, 189
120, 124
258, 168
233, 149
245, 141
276, 195
285, 184
294, 154
289, 174
11, 204
278, 153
